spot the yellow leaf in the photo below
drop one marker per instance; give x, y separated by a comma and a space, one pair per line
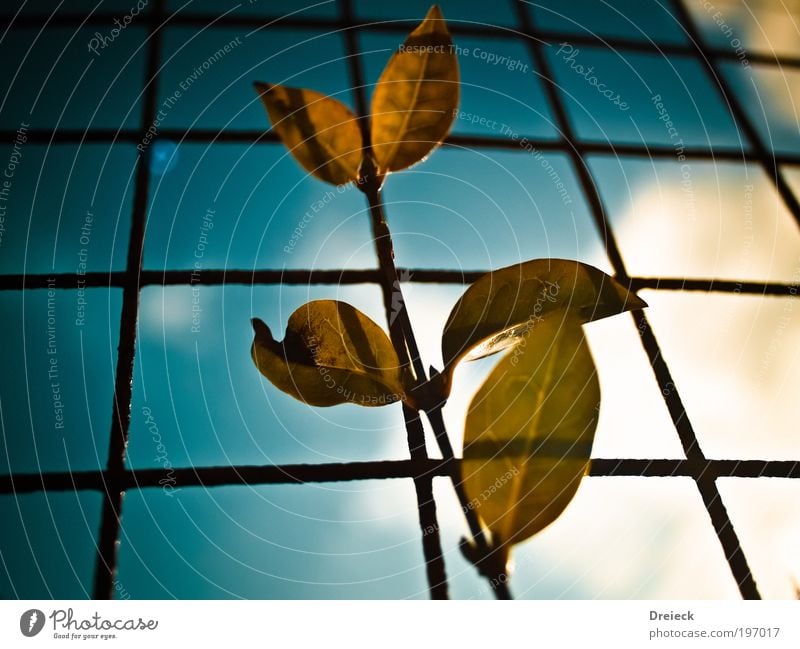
503, 305
416, 97
331, 354
322, 133
529, 432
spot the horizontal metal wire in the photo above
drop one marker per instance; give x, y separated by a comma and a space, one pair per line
460, 141
222, 277
214, 476
237, 276
457, 27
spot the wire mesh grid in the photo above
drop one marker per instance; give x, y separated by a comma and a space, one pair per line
116, 478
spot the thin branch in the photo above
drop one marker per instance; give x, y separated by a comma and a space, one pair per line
479, 551
405, 345
486, 556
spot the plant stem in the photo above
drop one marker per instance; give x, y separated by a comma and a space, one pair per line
402, 335
493, 572
408, 354
399, 325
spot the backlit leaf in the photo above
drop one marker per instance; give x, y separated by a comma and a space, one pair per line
503, 305
331, 354
322, 133
416, 97
529, 431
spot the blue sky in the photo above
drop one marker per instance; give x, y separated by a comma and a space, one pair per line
460, 209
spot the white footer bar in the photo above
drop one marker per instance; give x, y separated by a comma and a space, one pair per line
401, 624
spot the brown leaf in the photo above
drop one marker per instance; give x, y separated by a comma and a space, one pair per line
331, 354
416, 97
502, 305
321, 133
529, 431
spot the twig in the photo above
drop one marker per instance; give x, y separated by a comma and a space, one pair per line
479, 551
486, 558
407, 352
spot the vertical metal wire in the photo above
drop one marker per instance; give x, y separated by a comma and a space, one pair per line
114, 483
389, 282
705, 481
708, 60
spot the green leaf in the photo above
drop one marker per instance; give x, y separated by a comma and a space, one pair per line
500, 307
416, 97
331, 354
321, 133
529, 431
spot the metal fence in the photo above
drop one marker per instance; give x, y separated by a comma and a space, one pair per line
115, 479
